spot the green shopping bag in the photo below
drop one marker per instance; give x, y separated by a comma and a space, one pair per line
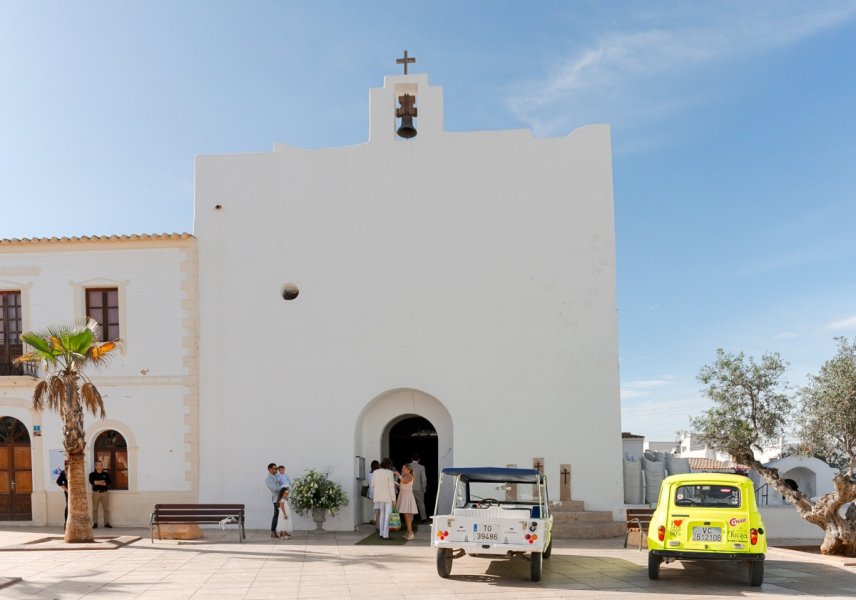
394, 520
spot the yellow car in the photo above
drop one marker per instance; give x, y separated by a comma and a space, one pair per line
707, 516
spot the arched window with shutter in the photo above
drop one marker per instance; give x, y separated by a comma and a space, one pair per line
112, 450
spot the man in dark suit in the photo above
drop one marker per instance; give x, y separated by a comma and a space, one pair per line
62, 482
420, 484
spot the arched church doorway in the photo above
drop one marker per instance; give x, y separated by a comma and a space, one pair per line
16, 471
421, 422
416, 435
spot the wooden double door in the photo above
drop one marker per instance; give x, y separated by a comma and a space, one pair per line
16, 471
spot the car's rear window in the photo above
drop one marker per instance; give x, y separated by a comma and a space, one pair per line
710, 496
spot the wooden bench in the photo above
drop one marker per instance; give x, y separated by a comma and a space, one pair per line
198, 514
638, 520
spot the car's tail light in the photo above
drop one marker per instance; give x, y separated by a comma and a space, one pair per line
661, 532
753, 536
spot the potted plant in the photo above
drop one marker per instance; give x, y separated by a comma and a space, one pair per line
315, 493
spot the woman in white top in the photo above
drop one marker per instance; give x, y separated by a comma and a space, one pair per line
383, 481
374, 467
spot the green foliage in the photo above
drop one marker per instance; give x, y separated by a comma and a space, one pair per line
827, 420
749, 403
315, 490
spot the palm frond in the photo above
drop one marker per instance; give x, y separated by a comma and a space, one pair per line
92, 400
39, 395
34, 357
99, 353
56, 393
80, 340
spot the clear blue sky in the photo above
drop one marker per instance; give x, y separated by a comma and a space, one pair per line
734, 132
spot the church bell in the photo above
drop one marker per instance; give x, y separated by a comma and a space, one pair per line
406, 112
407, 130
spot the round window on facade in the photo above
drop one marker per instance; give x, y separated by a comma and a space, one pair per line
290, 291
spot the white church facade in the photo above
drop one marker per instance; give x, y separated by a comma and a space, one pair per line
452, 294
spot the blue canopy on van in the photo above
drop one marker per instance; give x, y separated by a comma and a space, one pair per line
495, 474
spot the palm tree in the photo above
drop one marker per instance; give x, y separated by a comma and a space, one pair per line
66, 350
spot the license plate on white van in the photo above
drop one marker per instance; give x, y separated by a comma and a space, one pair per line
707, 534
486, 532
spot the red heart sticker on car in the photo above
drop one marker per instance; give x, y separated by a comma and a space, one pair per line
678, 522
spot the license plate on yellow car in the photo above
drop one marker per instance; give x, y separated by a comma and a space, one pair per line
707, 534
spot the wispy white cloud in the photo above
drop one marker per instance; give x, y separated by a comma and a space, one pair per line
659, 420
786, 335
819, 252
842, 324
640, 75
641, 388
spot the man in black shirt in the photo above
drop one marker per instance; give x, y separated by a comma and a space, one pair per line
99, 479
62, 482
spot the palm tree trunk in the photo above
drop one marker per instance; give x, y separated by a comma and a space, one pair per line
79, 526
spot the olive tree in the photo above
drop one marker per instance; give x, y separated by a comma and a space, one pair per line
751, 407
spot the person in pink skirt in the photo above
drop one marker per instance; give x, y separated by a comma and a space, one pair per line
406, 501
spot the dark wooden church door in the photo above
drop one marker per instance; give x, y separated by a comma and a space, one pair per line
16, 471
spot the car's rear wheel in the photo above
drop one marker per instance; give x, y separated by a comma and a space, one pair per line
756, 572
444, 562
653, 566
548, 551
536, 562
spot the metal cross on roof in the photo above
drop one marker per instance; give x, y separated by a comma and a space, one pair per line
405, 61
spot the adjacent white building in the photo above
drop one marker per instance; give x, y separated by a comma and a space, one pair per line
144, 290
451, 295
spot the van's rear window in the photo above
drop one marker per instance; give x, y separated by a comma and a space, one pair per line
711, 496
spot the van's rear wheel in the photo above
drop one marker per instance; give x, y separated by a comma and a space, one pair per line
756, 572
444, 562
653, 566
536, 562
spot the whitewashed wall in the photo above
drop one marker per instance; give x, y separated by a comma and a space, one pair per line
477, 269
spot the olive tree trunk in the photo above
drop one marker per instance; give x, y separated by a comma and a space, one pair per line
839, 533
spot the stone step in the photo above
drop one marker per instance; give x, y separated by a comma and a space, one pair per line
588, 531
567, 506
589, 516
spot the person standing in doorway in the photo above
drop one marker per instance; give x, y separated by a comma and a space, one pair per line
406, 502
374, 467
420, 484
384, 494
272, 482
100, 481
62, 482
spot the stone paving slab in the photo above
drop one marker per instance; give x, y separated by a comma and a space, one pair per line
57, 543
333, 566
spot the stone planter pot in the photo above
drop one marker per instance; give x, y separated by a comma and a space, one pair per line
319, 515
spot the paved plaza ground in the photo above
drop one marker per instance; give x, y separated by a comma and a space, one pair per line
334, 566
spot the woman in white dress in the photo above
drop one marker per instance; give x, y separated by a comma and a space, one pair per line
406, 500
284, 525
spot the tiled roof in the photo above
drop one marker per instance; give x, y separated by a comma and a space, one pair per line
710, 464
97, 238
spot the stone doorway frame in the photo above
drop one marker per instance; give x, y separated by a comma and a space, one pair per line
371, 437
